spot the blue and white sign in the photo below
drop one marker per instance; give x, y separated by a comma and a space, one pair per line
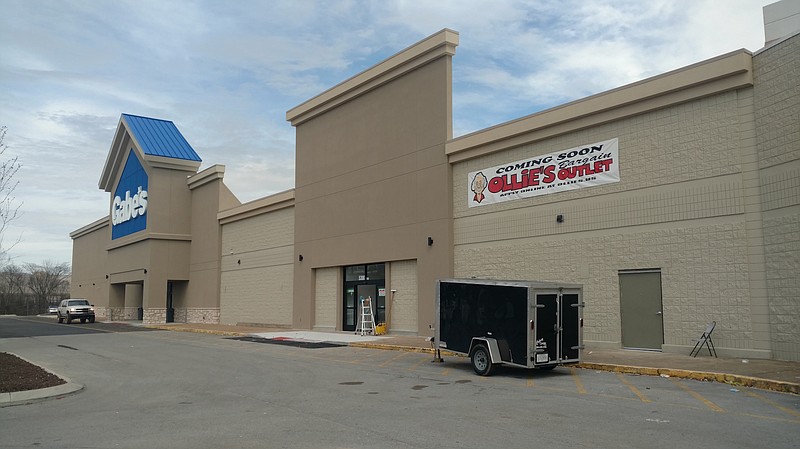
129, 207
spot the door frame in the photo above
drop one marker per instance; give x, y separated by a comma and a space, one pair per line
629, 344
379, 304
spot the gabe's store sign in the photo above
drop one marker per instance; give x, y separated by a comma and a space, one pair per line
584, 166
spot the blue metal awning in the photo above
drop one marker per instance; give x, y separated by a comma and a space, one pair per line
159, 138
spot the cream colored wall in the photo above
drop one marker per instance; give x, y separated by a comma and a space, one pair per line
326, 299
679, 207
208, 199
777, 111
372, 183
169, 202
89, 266
257, 269
405, 301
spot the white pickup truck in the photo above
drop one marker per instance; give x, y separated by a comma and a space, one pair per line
70, 309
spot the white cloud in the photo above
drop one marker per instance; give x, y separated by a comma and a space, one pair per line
226, 73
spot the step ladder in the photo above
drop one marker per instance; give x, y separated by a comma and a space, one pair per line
366, 323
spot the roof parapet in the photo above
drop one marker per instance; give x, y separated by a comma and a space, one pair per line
726, 72
280, 200
443, 43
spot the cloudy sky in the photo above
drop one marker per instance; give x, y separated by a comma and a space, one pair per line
227, 72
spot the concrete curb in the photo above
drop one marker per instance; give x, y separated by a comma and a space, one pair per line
196, 331
31, 396
394, 347
41, 394
730, 379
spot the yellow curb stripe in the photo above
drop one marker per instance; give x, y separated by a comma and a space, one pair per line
698, 396
731, 379
195, 330
633, 388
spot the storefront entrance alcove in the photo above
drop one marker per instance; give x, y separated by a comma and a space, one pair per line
125, 301
362, 282
177, 310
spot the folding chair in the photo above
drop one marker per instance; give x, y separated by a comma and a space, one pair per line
705, 340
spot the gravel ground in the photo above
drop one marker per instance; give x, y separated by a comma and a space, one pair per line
18, 375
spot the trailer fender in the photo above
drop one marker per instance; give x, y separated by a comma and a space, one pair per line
491, 344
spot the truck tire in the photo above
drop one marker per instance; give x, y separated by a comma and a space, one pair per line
482, 360
69, 319
60, 319
91, 319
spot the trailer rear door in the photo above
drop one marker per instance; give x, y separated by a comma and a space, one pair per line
570, 326
556, 327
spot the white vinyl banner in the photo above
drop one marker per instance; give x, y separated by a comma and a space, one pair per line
584, 166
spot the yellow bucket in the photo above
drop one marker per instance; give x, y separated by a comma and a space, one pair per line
380, 329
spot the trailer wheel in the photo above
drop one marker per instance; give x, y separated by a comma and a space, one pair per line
482, 361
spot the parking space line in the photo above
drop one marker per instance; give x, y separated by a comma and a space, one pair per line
369, 354
774, 404
633, 388
697, 396
417, 365
530, 382
578, 381
446, 371
397, 357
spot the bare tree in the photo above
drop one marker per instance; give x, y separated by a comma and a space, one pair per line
9, 207
13, 281
47, 282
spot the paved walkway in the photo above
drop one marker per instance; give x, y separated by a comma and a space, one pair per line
765, 374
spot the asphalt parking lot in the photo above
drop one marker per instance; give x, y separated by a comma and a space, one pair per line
40, 326
169, 389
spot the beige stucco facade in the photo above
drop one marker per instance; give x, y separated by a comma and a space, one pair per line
707, 199
168, 271
372, 177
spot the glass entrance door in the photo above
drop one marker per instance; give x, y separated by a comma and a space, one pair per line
349, 316
363, 280
366, 292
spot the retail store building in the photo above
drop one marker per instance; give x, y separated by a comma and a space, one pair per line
675, 201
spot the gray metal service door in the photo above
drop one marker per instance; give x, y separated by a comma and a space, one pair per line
640, 306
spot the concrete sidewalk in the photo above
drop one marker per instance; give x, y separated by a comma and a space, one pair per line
757, 373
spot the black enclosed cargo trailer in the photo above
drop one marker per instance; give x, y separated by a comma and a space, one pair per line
519, 323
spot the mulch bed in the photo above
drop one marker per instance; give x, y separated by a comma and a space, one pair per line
18, 375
